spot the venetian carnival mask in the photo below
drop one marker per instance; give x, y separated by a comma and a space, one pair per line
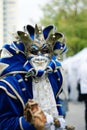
41, 44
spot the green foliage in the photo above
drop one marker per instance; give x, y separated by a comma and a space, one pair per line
70, 18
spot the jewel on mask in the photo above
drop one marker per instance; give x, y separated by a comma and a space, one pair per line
17, 51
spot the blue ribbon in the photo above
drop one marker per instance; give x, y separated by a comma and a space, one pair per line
27, 66
40, 73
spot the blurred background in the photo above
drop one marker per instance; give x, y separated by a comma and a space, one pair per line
70, 18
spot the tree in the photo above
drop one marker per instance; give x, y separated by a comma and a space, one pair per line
69, 17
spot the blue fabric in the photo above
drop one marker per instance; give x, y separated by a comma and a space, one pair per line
26, 125
9, 113
28, 66
60, 46
60, 109
30, 31
12, 110
20, 46
15, 62
47, 30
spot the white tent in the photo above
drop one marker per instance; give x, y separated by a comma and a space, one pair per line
73, 71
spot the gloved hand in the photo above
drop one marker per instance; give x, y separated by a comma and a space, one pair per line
62, 122
49, 118
49, 122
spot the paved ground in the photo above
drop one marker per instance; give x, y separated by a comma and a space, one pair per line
75, 115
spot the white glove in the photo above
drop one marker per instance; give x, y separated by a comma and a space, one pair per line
49, 127
49, 124
62, 122
49, 118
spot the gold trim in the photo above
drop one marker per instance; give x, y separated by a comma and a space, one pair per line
9, 94
62, 83
20, 122
16, 93
3, 66
14, 72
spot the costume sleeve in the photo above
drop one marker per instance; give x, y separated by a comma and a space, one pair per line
59, 107
11, 115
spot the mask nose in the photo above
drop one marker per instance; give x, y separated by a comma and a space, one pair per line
39, 53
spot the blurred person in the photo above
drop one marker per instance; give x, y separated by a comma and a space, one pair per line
82, 88
64, 101
79, 91
69, 92
31, 80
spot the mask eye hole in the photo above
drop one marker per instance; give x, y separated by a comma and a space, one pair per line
34, 50
45, 49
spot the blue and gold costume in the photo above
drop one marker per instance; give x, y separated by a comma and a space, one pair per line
15, 90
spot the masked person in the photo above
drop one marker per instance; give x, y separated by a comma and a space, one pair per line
30, 70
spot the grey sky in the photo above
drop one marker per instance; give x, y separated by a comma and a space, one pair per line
29, 11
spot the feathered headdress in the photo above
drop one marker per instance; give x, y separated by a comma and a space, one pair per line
40, 37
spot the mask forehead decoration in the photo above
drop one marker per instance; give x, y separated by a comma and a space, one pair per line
45, 40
